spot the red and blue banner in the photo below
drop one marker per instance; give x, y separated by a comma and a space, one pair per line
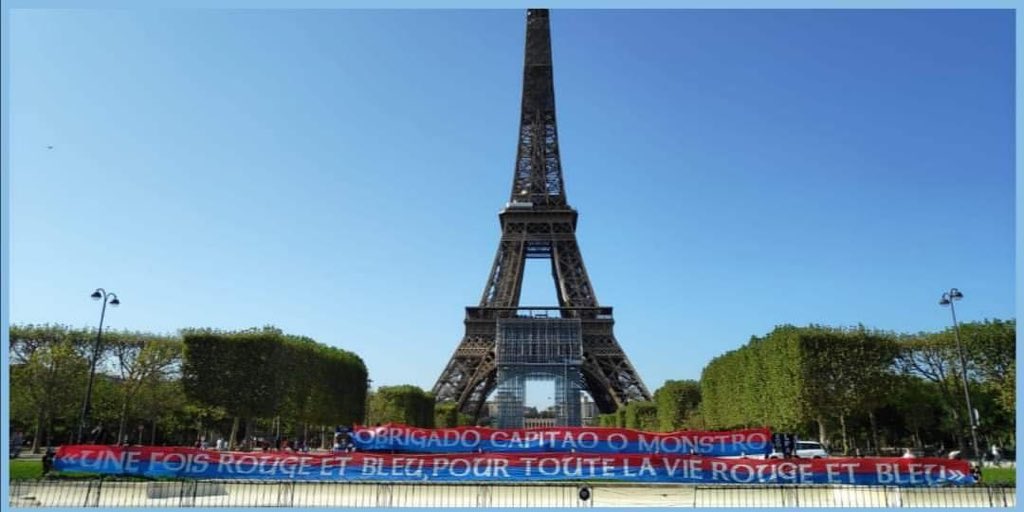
402, 438
203, 464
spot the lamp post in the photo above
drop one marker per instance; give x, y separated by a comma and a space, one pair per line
366, 402
947, 299
108, 298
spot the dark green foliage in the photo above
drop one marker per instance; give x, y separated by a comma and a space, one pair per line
243, 372
642, 415
608, 420
446, 415
794, 376
866, 388
676, 400
263, 373
989, 348
404, 404
49, 367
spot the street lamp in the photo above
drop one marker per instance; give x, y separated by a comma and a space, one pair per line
108, 298
948, 299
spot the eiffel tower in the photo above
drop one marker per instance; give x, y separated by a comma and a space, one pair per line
537, 222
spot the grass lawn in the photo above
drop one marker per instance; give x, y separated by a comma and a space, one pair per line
26, 469
998, 475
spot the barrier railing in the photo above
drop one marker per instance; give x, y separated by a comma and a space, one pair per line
196, 493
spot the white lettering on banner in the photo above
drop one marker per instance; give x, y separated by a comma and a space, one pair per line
694, 469
371, 466
568, 442
573, 467
670, 466
363, 436
607, 467
667, 444
265, 469
742, 473
224, 463
590, 440
806, 475
394, 435
440, 465
841, 472
200, 462
131, 463
171, 461
417, 438
499, 443
455, 464
246, 464
832, 473
304, 465
883, 473
645, 466
851, 470
392, 467
527, 468
788, 471
551, 464
617, 441
757, 441
645, 445
501, 468
915, 473
718, 470
106, 456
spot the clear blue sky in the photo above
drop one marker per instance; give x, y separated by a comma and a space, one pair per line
339, 173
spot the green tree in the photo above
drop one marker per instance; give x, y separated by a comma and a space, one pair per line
642, 415
989, 349
48, 372
404, 404
142, 360
844, 372
447, 415
676, 401
262, 373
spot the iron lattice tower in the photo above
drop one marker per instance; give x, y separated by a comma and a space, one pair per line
537, 222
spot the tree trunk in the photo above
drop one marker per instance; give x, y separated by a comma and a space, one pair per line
846, 440
248, 432
38, 433
821, 431
152, 439
233, 438
874, 428
124, 419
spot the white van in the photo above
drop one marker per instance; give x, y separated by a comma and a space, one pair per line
805, 450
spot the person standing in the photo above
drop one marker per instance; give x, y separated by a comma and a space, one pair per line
997, 456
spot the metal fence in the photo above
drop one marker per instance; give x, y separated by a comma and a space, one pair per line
119, 493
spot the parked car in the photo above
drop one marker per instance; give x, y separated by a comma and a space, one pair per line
805, 450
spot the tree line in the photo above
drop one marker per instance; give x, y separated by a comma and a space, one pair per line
177, 389
855, 390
